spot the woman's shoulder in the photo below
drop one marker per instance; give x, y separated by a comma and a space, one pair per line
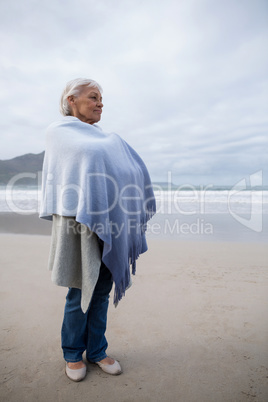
73, 123
63, 121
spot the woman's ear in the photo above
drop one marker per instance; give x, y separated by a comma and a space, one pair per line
70, 100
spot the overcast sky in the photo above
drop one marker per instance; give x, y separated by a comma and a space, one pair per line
185, 82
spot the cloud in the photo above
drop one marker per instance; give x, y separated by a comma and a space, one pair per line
185, 83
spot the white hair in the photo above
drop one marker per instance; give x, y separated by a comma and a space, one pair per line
75, 87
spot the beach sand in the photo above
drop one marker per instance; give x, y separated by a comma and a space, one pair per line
192, 328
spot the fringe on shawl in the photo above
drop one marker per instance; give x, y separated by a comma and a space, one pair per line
134, 253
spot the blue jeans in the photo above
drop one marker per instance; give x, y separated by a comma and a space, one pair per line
81, 331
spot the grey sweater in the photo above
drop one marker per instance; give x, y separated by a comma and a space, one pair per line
75, 257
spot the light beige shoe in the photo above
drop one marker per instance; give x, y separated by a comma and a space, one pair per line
114, 369
75, 375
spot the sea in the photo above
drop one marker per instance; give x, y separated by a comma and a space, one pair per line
195, 213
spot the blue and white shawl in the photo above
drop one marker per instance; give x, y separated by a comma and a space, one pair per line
101, 181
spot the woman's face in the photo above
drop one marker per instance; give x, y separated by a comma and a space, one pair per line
87, 106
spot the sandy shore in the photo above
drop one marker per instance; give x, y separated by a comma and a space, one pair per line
24, 224
193, 327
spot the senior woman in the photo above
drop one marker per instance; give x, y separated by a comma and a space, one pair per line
98, 193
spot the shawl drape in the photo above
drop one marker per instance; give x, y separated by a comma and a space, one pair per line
100, 180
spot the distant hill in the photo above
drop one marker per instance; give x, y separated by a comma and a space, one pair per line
28, 163
33, 163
